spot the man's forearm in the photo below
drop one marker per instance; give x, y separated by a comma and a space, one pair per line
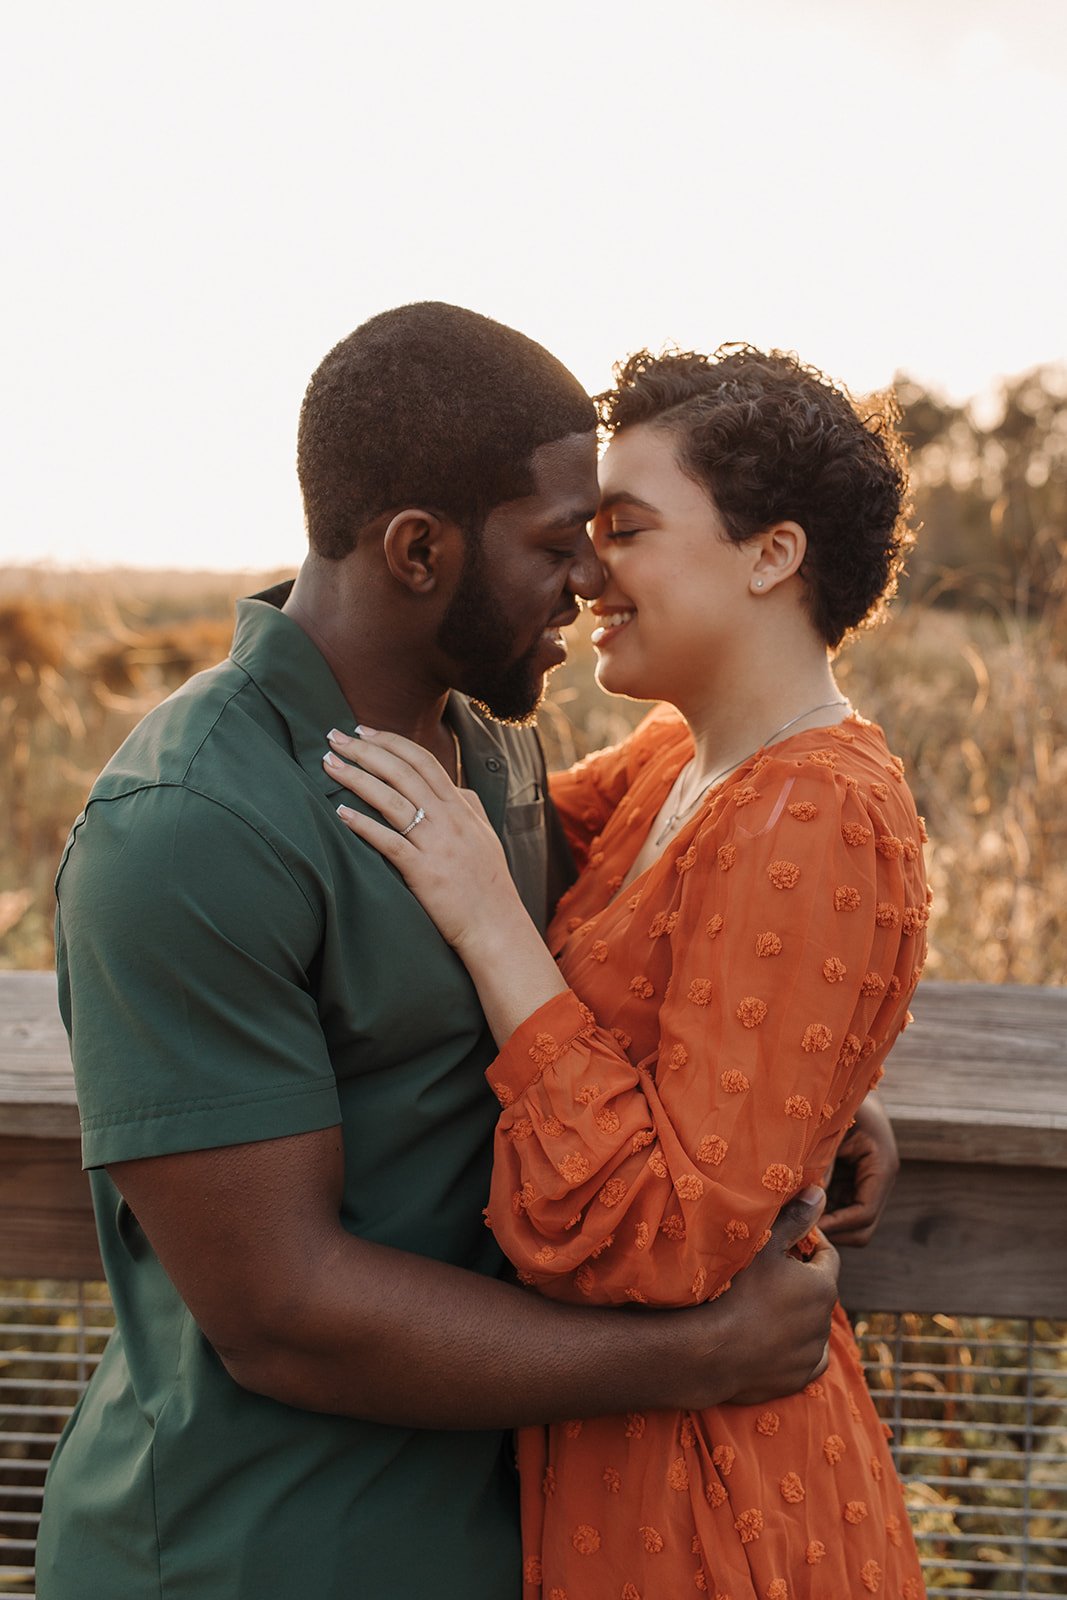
401, 1339
313, 1316
397, 1338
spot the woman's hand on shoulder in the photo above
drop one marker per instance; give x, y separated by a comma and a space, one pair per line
437, 836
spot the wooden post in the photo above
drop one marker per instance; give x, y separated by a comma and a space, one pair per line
46, 1216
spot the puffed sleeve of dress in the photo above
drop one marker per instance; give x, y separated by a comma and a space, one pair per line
780, 977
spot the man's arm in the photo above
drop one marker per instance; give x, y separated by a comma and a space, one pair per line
864, 1173
302, 1311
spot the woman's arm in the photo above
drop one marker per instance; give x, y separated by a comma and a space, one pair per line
760, 1065
779, 975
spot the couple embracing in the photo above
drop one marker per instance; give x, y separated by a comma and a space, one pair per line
342, 968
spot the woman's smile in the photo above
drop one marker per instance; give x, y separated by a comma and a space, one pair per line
611, 624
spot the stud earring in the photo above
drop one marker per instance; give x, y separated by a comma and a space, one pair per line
759, 583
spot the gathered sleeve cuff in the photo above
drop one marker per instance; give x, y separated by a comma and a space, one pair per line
549, 1032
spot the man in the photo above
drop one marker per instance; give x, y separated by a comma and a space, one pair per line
280, 1064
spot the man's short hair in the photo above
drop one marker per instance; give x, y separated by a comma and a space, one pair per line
428, 405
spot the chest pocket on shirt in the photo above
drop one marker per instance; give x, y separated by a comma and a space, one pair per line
520, 819
525, 847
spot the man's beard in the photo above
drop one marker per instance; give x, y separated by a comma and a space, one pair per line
475, 634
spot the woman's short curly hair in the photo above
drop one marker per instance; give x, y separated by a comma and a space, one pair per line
773, 440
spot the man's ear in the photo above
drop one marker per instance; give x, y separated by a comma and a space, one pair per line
419, 546
777, 553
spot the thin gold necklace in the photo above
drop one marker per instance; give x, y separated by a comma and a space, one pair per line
684, 811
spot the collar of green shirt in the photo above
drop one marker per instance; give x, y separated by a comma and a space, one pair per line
295, 677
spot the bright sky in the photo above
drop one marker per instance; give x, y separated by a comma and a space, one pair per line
203, 198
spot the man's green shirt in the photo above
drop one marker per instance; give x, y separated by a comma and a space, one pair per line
234, 966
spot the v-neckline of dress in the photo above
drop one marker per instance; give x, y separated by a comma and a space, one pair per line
710, 796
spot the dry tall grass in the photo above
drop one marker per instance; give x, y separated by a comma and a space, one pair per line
976, 703
82, 657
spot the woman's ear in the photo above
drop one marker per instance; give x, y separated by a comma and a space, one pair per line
417, 546
777, 553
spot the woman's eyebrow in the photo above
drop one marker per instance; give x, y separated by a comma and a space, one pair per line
624, 497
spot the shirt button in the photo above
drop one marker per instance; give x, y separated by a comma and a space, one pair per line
493, 764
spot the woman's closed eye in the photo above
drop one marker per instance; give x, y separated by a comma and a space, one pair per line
617, 531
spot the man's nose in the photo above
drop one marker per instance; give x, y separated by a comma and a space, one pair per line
587, 575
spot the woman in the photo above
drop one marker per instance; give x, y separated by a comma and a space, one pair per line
735, 961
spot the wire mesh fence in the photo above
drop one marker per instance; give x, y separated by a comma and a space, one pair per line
51, 1338
978, 1409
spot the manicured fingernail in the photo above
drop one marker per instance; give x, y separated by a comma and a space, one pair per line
346, 812
330, 760
363, 732
335, 736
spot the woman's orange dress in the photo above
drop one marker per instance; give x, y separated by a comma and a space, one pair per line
729, 1010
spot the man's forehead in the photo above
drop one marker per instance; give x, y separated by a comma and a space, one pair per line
570, 458
565, 490
565, 482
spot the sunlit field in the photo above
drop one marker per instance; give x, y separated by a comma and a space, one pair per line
968, 678
975, 701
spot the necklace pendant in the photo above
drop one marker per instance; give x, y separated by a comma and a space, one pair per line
660, 837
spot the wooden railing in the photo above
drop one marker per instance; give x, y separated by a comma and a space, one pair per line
976, 1232
977, 1088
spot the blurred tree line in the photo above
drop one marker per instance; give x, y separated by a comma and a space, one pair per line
990, 488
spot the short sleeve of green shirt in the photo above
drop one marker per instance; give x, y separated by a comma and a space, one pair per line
190, 1013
